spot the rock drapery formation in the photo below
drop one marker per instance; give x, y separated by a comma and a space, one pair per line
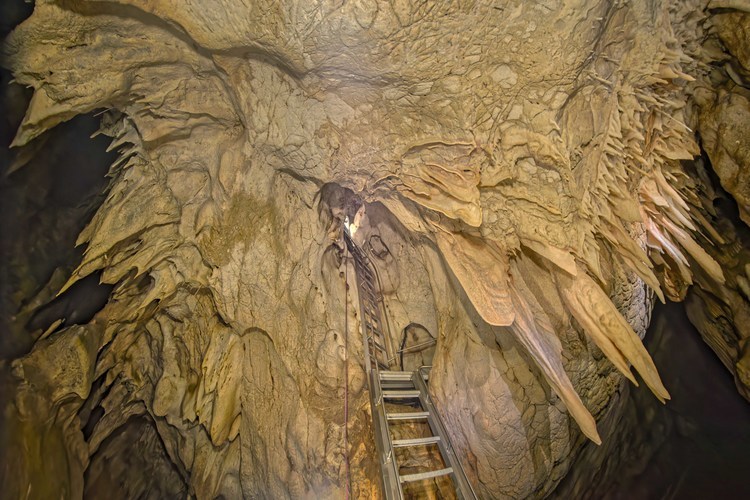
528, 180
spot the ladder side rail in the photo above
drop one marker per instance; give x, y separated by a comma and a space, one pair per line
377, 403
370, 305
356, 253
462, 484
391, 482
373, 335
363, 324
390, 350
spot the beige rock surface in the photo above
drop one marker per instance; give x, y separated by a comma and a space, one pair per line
521, 166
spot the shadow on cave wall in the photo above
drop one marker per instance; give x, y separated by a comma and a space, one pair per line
44, 205
130, 448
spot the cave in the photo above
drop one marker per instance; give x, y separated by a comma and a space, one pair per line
375, 249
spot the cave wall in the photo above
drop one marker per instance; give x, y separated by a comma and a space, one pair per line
527, 202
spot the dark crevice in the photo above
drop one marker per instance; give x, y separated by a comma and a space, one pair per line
76, 306
695, 446
45, 205
132, 462
727, 209
94, 417
13, 13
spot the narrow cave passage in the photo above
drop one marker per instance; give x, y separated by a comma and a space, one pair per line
133, 463
694, 447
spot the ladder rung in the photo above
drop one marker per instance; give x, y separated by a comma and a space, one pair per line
425, 475
377, 346
368, 303
371, 325
369, 297
395, 375
413, 415
371, 318
375, 332
401, 394
400, 443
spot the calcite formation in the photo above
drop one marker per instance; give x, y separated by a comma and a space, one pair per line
526, 174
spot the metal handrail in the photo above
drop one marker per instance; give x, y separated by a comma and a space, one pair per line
415, 346
459, 474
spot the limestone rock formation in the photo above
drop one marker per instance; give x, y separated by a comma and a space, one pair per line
526, 170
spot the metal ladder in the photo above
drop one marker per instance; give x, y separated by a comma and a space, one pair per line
387, 386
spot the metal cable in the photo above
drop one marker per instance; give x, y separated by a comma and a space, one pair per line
346, 373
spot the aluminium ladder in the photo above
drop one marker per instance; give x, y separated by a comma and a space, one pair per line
387, 386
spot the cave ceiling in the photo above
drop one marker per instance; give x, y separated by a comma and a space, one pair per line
533, 176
